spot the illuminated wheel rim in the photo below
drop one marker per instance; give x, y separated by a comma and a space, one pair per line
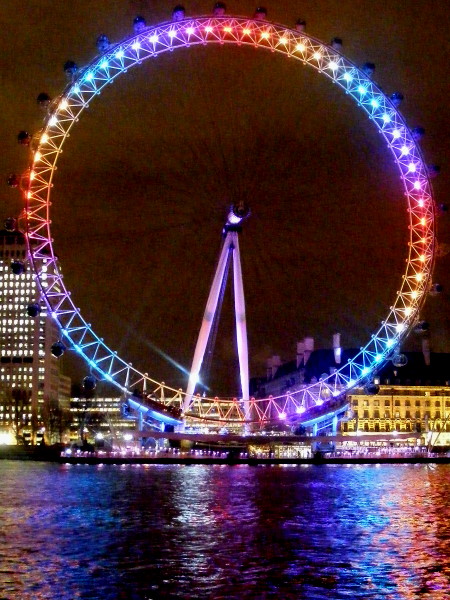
205, 31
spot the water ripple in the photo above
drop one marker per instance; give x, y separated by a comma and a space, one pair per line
86, 533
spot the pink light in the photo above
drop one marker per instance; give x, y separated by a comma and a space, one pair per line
209, 29
421, 203
282, 415
189, 30
417, 185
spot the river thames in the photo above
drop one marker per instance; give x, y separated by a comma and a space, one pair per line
198, 532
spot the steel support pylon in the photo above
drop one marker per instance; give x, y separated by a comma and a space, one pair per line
230, 245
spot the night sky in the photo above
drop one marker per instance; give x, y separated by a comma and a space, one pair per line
146, 179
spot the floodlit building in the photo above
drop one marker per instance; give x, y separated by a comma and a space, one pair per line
31, 386
414, 397
99, 419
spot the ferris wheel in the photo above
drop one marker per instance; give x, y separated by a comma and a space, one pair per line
147, 42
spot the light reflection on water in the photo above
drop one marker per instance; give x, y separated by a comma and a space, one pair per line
198, 532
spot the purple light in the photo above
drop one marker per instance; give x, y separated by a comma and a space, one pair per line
282, 415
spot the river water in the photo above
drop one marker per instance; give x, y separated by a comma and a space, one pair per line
221, 532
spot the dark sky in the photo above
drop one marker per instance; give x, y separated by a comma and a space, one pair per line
146, 179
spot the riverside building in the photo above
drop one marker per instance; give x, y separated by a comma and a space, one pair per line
32, 390
413, 398
99, 419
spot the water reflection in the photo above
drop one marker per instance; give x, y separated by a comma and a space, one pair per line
80, 532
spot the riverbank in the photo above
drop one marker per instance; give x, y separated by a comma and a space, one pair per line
53, 454
231, 460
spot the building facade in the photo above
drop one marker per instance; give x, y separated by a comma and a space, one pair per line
99, 419
412, 398
31, 385
401, 409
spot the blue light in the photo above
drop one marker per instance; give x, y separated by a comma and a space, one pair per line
386, 118
350, 383
89, 76
77, 348
104, 64
54, 315
92, 363
362, 90
390, 343
365, 371
108, 377
76, 89
120, 54
378, 358
375, 103
348, 77
64, 332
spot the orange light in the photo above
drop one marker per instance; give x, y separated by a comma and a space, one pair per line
284, 40
419, 276
265, 35
300, 47
247, 31
423, 221
37, 156
422, 258
414, 295
44, 138
317, 55
32, 175
227, 29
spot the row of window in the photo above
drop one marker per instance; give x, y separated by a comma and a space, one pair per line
407, 426
398, 402
387, 414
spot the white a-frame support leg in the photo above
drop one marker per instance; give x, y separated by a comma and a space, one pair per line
231, 244
241, 324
